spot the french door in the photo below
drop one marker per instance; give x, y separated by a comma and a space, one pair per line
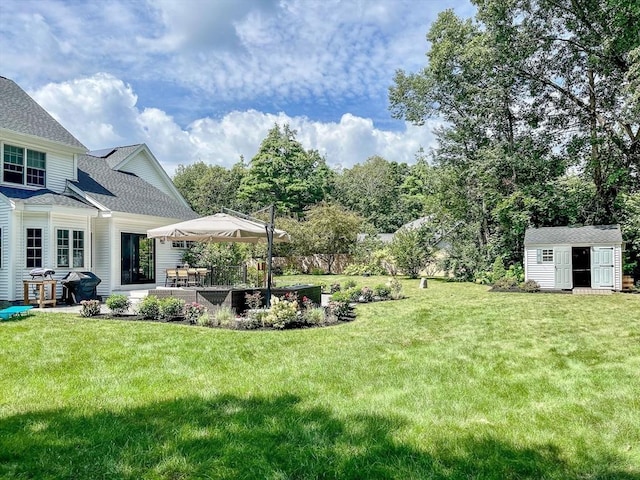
138, 259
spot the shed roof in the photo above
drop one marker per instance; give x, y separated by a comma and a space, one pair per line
591, 234
22, 114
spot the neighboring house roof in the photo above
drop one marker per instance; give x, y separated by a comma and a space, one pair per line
42, 197
383, 237
417, 223
21, 114
591, 234
124, 192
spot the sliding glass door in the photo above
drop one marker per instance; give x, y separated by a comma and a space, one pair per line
138, 259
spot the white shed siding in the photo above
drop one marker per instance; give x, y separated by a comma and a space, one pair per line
617, 269
59, 169
143, 166
542, 273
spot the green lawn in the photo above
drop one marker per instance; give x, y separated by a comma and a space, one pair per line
451, 382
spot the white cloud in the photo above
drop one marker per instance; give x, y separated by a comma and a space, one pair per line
101, 112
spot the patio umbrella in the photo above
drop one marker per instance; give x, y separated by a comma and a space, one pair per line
223, 227
220, 227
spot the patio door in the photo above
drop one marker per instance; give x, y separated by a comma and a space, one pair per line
137, 258
602, 267
562, 264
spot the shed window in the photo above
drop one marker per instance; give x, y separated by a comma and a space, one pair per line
545, 255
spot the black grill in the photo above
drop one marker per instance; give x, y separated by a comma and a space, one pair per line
78, 286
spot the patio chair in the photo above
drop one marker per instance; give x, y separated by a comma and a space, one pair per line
171, 277
192, 277
183, 277
202, 275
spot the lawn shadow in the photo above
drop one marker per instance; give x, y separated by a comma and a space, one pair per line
257, 437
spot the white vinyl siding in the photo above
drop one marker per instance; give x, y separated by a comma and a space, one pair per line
59, 169
102, 254
543, 273
166, 256
142, 166
59, 166
5, 264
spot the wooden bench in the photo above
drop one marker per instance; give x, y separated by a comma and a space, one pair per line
18, 311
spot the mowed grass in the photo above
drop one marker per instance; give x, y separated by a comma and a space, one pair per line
453, 382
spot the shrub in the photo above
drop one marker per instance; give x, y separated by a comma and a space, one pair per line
90, 308
354, 269
530, 286
341, 296
193, 311
255, 277
314, 316
205, 320
246, 323
516, 271
353, 294
395, 288
339, 310
282, 313
335, 287
317, 271
506, 284
149, 307
382, 291
257, 315
224, 316
498, 271
290, 270
118, 304
349, 284
254, 300
171, 308
366, 294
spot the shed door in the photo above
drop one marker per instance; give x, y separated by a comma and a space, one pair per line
562, 263
602, 267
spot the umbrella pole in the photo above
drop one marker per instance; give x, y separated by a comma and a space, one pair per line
270, 226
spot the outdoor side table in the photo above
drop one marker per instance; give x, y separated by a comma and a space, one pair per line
41, 291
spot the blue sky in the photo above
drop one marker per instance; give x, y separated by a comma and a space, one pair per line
206, 79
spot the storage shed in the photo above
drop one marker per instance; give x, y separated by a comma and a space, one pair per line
563, 258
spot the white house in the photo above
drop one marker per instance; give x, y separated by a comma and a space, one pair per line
64, 208
563, 258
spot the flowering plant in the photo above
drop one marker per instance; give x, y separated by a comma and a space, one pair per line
193, 311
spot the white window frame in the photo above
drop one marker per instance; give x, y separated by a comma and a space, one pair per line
27, 170
545, 255
182, 244
37, 259
71, 248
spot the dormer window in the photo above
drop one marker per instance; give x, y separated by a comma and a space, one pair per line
23, 166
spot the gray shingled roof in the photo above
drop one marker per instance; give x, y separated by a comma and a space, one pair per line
21, 114
590, 235
113, 156
125, 192
42, 197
